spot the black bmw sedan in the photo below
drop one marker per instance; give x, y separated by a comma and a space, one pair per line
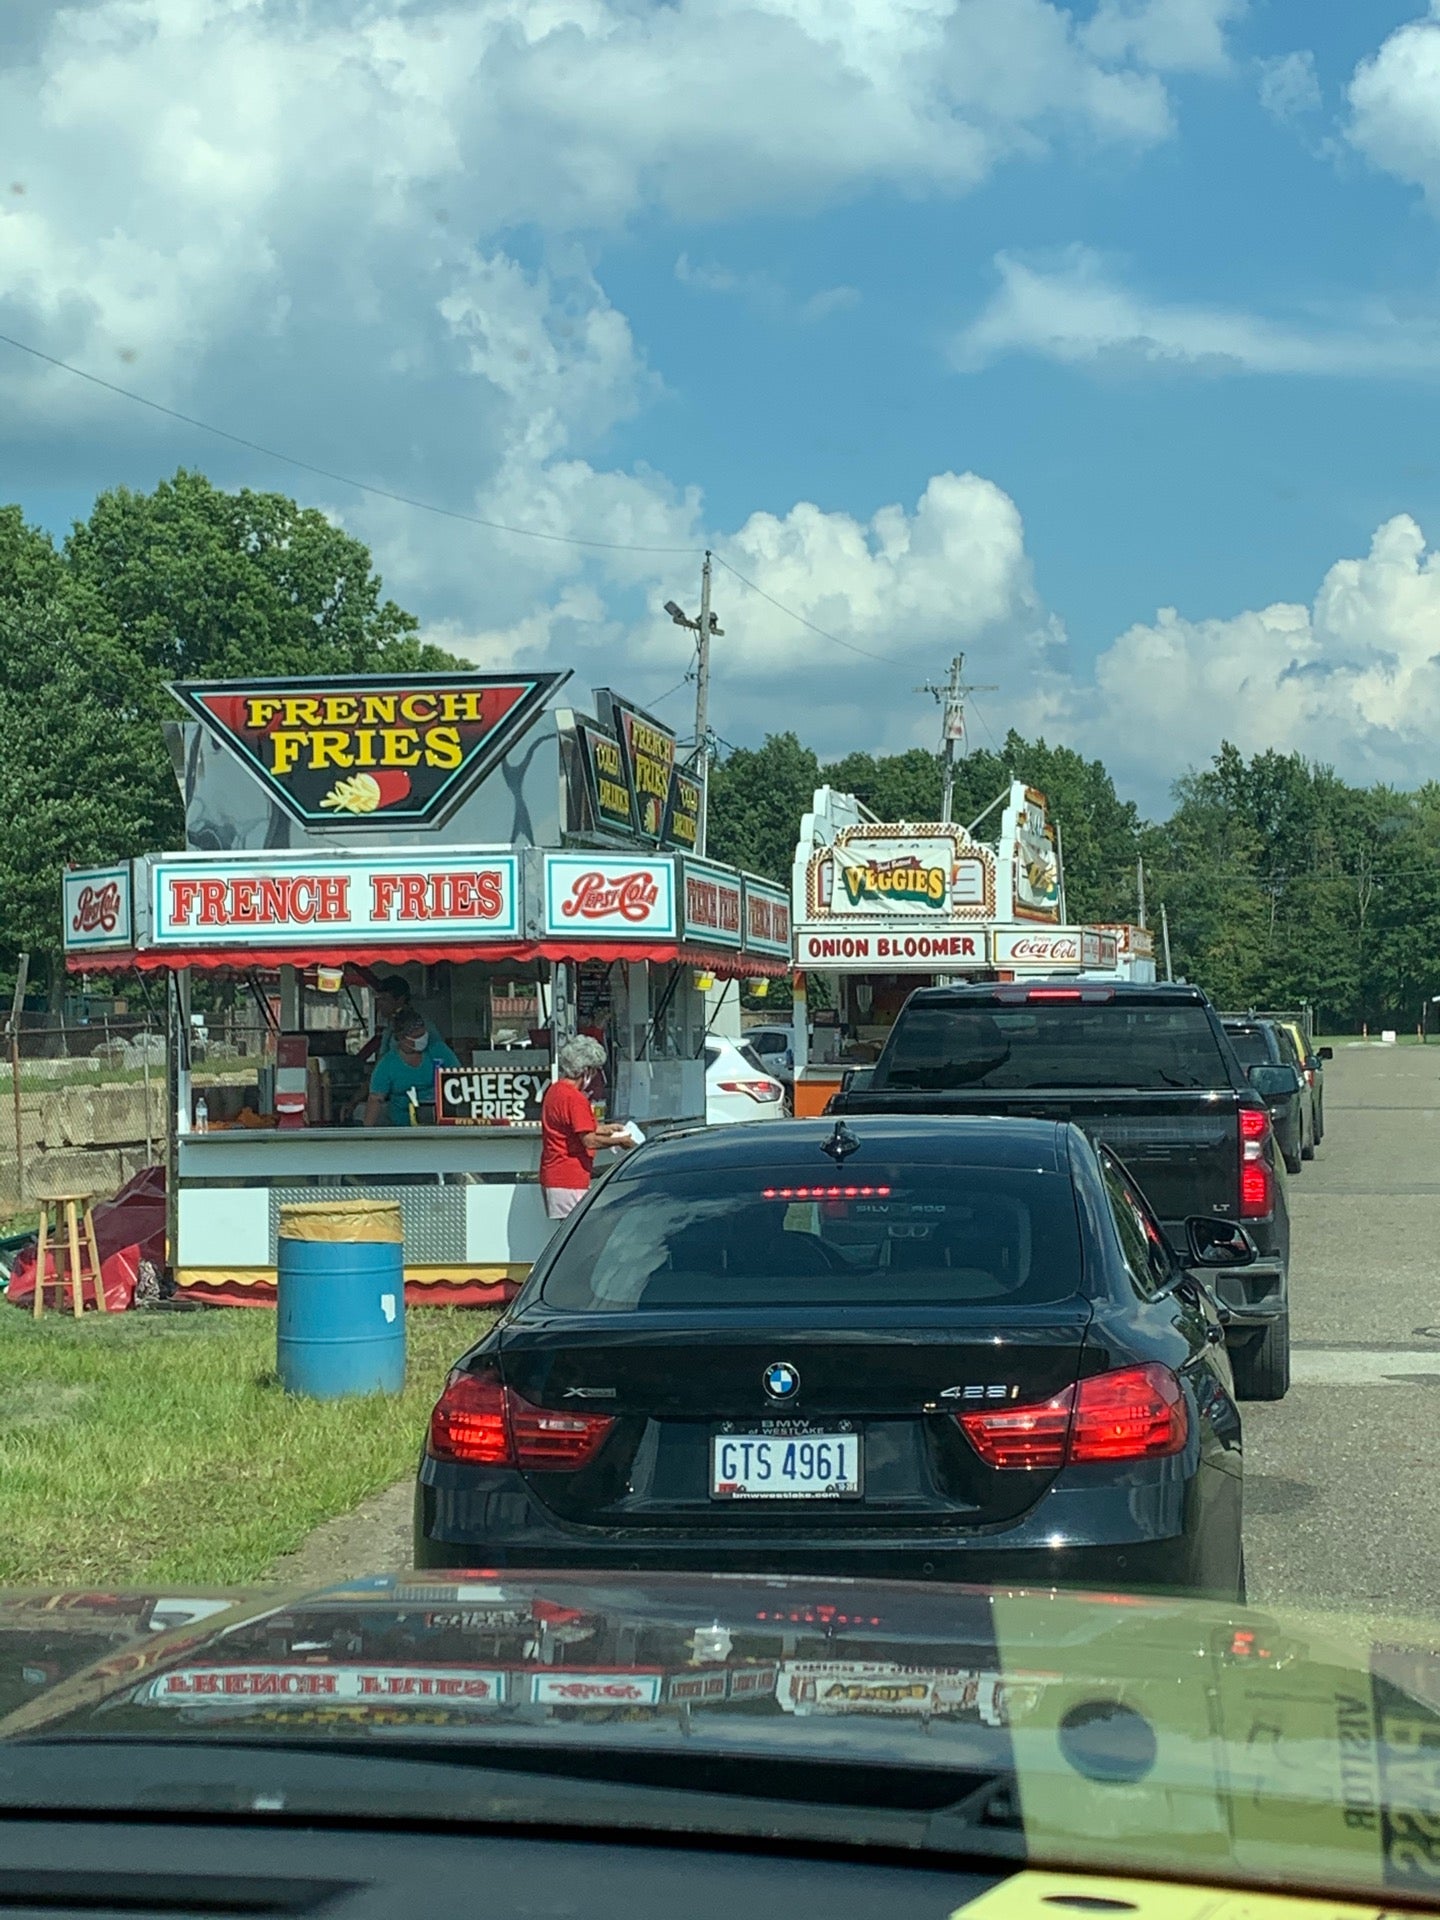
958, 1349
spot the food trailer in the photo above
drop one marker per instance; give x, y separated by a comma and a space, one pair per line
533, 871
882, 908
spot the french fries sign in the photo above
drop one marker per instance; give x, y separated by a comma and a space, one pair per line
370, 751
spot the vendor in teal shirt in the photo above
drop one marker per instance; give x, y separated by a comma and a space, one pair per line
402, 1085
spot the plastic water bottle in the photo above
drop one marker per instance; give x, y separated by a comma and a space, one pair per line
202, 1115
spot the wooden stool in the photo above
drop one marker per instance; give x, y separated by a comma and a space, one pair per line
67, 1251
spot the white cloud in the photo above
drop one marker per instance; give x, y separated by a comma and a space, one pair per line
1290, 87
297, 218
207, 169
764, 293
1353, 679
1395, 105
1169, 35
1077, 313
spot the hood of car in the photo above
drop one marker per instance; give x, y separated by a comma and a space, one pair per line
1161, 1735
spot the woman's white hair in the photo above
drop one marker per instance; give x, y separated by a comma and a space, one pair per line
577, 1056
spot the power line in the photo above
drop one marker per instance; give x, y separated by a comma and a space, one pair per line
885, 659
326, 473
662, 698
411, 500
980, 713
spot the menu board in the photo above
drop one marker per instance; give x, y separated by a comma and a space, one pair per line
648, 749
682, 813
497, 1089
607, 779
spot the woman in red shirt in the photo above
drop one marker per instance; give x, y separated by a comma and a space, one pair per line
570, 1135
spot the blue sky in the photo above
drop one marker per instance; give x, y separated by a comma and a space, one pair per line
1102, 341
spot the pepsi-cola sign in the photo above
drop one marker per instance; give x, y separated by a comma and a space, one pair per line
97, 909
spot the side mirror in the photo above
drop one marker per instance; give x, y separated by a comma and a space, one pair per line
1219, 1243
1324, 1053
1275, 1084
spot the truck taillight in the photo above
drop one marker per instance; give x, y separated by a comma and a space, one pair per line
1256, 1193
1257, 1183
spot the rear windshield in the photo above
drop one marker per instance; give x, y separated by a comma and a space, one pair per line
1252, 1049
1035, 1044
766, 1236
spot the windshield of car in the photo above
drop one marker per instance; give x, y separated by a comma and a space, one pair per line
782, 1236
597, 585
1250, 1045
1040, 1044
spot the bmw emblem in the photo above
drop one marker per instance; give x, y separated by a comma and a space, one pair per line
780, 1380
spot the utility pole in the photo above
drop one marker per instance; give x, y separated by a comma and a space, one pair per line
704, 629
1165, 940
1140, 892
951, 694
702, 675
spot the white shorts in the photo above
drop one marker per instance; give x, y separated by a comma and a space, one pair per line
560, 1201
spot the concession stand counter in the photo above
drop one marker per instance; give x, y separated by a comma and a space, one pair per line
534, 872
882, 908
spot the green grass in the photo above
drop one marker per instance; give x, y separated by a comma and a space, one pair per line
159, 1448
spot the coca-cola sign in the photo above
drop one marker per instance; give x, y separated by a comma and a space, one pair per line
97, 908
620, 899
1062, 948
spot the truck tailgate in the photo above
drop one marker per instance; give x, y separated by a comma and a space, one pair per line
1182, 1146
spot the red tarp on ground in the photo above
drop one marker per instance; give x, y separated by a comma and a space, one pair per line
128, 1229
131, 1228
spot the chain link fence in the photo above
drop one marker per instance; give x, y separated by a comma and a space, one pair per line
84, 1108
84, 1100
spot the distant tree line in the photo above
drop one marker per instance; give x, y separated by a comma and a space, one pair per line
187, 582
1283, 882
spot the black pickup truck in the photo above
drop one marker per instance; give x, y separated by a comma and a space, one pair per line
1147, 1070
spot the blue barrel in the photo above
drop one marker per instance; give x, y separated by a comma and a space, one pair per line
341, 1299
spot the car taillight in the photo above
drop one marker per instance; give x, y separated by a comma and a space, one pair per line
1256, 1196
468, 1422
1022, 1436
1137, 1413
479, 1421
758, 1090
548, 1442
1257, 1193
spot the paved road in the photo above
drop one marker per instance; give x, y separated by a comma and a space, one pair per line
1342, 1477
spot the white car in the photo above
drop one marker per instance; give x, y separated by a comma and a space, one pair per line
737, 1087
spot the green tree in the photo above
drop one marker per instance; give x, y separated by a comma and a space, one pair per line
1099, 831
186, 582
894, 786
757, 797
